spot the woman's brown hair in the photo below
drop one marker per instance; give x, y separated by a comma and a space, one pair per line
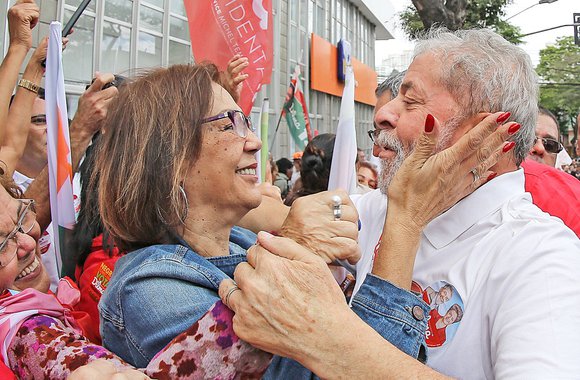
152, 135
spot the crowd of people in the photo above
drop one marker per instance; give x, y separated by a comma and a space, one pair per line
464, 242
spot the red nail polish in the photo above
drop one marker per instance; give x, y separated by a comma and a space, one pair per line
491, 176
514, 128
429, 123
503, 117
507, 147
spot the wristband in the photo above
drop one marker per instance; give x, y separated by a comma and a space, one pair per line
25, 83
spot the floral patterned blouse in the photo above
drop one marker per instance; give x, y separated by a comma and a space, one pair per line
46, 348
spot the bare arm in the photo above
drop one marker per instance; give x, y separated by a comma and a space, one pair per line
22, 17
18, 122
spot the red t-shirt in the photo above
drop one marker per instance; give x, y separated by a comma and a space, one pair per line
92, 279
434, 337
554, 192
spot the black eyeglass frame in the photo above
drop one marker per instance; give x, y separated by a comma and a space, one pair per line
231, 114
373, 134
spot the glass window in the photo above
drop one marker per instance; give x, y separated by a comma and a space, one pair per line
121, 10
293, 43
76, 3
178, 7
320, 21
310, 16
179, 53
151, 19
115, 48
179, 28
303, 46
293, 10
303, 13
82, 45
157, 3
149, 50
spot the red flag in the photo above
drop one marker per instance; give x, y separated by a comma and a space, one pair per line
219, 29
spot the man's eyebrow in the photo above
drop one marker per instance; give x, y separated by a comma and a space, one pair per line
406, 86
551, 137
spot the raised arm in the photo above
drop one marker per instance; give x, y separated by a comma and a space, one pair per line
18, 121
22, 17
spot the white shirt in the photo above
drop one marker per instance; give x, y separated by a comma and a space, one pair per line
515, 273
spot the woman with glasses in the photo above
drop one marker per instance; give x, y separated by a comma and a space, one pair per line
177, 171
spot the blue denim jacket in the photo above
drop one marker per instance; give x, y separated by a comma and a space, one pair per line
159, 291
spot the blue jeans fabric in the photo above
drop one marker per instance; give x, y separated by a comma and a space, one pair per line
158, 292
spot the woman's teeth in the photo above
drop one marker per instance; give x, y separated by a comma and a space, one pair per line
29, 269
246, 171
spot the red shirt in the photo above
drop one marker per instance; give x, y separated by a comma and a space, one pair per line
435, 337
554, 192
92, 280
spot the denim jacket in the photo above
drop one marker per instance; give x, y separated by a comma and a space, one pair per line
157, 292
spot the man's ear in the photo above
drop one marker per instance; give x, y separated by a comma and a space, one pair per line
472, 121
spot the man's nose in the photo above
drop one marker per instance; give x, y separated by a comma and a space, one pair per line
386, 117
538, 148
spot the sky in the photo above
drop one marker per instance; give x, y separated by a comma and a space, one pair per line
540, 16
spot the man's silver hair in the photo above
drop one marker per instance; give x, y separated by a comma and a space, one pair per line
392, 84
486, 73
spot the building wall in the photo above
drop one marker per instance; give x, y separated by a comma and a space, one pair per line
122, 36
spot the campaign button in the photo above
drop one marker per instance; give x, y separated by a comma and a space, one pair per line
418, 313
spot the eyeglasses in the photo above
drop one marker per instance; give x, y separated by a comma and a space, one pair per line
38, 120
373, 134
551, 145
240, 125
25, 224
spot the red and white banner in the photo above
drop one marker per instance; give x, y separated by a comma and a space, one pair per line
219, 29
58, 147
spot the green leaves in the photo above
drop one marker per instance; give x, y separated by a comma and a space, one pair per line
559, 71
458, 15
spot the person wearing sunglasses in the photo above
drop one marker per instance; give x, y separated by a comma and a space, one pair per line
553, 190
547, 142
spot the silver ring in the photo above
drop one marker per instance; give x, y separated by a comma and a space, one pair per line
475, 175
336, 210
230, 292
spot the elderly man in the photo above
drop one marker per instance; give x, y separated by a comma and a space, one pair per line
513, 268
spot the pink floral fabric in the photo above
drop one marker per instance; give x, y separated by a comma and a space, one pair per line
209, 349
45, 348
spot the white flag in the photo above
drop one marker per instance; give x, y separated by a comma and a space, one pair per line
342, 170
58, 144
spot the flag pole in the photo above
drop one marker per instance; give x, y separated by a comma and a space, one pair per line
276, 131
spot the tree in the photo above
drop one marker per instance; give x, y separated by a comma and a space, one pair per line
458, 14
559, 71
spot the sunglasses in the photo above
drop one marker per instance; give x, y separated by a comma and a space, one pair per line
551, 145
240, 123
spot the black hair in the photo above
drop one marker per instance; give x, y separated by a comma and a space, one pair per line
316, 162
89, 224
284, 164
